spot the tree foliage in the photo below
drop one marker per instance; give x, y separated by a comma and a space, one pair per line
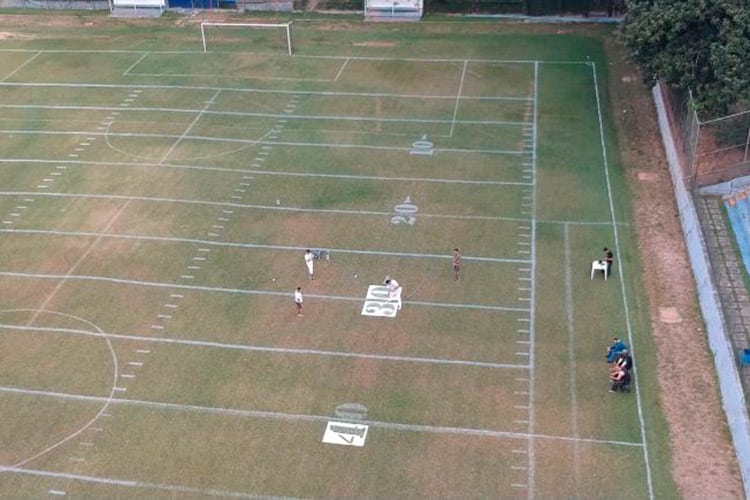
701, 45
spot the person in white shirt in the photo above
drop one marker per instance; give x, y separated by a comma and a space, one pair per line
309, 263
394, 290
393, 287
298, 300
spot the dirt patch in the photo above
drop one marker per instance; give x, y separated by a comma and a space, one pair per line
6, 35
376, 44
703, 459
669, 315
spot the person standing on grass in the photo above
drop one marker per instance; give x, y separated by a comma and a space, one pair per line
393, 287
309, 263
394, 291
609, 258
456, 263
298, 300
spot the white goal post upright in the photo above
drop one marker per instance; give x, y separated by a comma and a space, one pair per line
286, 26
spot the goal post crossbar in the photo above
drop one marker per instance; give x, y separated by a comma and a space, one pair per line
286, 26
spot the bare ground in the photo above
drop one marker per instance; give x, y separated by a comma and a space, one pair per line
703, 459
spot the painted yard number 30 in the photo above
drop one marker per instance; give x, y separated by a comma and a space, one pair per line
404, 213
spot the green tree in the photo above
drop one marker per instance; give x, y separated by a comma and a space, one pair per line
701, 45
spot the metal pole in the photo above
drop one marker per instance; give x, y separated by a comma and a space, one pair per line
694, 175
747, 142
289, 36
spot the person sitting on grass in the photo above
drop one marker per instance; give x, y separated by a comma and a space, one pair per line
615, 349
617, 376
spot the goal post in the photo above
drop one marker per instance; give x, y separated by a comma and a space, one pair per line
287, 27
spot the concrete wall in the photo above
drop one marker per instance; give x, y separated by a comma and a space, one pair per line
732, 394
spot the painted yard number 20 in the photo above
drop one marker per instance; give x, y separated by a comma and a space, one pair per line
404, 213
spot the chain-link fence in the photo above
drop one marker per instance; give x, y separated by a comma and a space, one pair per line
714, 149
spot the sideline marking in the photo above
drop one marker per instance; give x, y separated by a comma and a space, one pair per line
628, 326
532, 303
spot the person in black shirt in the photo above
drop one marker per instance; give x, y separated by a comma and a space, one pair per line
609, 258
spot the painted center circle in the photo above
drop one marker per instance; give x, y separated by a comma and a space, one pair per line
52, 363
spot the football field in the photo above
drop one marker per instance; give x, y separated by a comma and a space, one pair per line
156, 204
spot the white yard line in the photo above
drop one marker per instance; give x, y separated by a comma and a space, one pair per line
433, 429
458, 99
240, 291
247, 206
227, 244
509, 152
298, 56
190, 127
249, 114
232, 76
22, 65
266, 349
570, 324
129, 483
341, 70
144, 56
255, 91
205, 168
65, 277
623, 293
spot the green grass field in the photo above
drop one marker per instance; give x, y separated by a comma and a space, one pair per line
157, 201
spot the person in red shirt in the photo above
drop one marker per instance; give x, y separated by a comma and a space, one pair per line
456, 263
